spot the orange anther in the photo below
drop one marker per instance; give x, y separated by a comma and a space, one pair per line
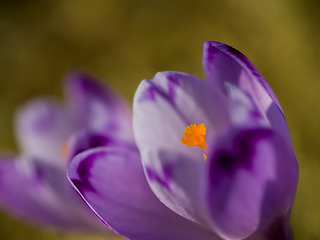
194, 136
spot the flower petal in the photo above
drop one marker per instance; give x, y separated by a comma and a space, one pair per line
30, 192
251, 181
171, 101
97, 107
112, 182
190, 94
156, 122
243, 109
42, 126
175, 180
223, 63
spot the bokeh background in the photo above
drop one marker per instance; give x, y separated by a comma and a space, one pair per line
125, 41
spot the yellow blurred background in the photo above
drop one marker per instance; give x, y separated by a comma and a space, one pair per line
124, 41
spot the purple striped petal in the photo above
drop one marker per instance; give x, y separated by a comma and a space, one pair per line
40, 193
169, 103
112, 182
157, 122
251, 181
223, 64
42, 127
96, 107
175, 180
243, 109
190, 94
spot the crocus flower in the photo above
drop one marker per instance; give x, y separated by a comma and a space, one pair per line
34, 186
216, 153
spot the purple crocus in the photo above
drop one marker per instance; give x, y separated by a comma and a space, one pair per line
216, 153
34, 186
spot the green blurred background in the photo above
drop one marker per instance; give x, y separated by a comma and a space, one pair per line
123, 41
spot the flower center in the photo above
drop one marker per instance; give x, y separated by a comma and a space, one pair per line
194, 136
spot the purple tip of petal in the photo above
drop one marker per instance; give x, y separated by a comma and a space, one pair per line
218, 66
84, 81
226, 48
173, 82
209, 51
217, 47
81, 87
93, 105
212, 48
149, 92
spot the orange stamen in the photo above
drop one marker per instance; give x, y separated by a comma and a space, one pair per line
194, 136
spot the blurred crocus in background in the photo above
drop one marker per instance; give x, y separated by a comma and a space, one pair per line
33, 185
217, 153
